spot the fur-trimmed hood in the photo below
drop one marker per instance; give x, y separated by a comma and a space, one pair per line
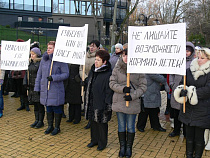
197, 70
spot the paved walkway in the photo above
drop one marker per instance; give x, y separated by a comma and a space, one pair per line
17, 139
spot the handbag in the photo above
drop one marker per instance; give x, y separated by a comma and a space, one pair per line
141, 99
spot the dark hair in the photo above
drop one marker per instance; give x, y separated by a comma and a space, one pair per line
103, 54
96, 42
125, 51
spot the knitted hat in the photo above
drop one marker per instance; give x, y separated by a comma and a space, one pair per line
118, 45
36, 51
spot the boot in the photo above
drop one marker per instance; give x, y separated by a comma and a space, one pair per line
189, 149
50, 117
88, 125
40, 123
57, 124
130, 139
199, 150
122, 140
22, 105
208, 142
36, 113
27, 106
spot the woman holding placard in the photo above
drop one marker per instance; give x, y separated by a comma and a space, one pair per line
126, 115
197, 93
49, 83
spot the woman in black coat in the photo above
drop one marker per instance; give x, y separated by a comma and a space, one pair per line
73, 94
98, 100
197, 114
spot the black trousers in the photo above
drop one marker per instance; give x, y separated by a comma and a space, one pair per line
75, 112
153, 116
195, 134
99, 133
39, 107
177, 123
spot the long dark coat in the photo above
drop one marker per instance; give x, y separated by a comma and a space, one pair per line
98, 97
198, 115
72, 85
31, 76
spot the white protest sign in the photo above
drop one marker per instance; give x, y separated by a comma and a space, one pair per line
15, 55
71, 43
159, 49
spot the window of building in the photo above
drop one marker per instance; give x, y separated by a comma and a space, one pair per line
4, 4
30, 19
67, 6
20, 18
18, 4
50, 20
47, 5
40, 5
72, 7
61, 20
28, 5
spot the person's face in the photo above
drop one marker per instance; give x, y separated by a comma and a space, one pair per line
99, 62
93, 47
124, 57
188, 53
117, 50
202, 59
33, 55
50, 49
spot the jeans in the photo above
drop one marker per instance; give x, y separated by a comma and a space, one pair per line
1, 101
126, 119
55, 109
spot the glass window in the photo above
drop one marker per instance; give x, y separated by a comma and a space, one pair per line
50, 20
123, 3
18, 4
67, 7
89, 9
78, 7
55, 6
4, 4
72, 7
118, 13
108, 13
47, 5
20, 18
83, 11
123, 13
61, 8
99, 9
30, 19
28, 5
41, 5
35, 5
61, 20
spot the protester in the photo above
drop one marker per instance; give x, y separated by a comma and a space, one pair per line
98, 100
115, 56
174, 81
89, 61
197, 113
34, 97
126, 115
73, 94
51, 87
152, 102
2, 72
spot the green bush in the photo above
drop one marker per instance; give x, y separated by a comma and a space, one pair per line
7, 26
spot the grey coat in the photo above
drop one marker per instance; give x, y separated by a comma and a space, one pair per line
152, 97
118, 81
174, 80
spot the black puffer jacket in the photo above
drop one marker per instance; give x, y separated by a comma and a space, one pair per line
98, 95
32, 72
198, 115
72, 85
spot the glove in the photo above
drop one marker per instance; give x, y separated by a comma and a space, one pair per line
126, 89
50, 78
183, 93
127, 98
82, 83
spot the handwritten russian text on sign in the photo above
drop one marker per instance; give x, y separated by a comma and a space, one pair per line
159, 49
15, 55
71, 43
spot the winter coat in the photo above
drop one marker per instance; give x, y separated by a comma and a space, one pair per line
174, 80
152, 97
89, 61
55, 96
31, 77
113, 59
72, 85
18, 74
197, 114
98, 104
118, 81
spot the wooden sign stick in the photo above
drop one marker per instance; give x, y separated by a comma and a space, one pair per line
83, 78
184, 97
128, 85
50, 74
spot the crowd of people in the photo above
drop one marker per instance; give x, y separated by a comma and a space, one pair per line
48, 85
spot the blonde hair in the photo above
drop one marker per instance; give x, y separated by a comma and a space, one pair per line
204, 52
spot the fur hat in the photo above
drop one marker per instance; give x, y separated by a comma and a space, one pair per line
118, 45
36, 51
207, 51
